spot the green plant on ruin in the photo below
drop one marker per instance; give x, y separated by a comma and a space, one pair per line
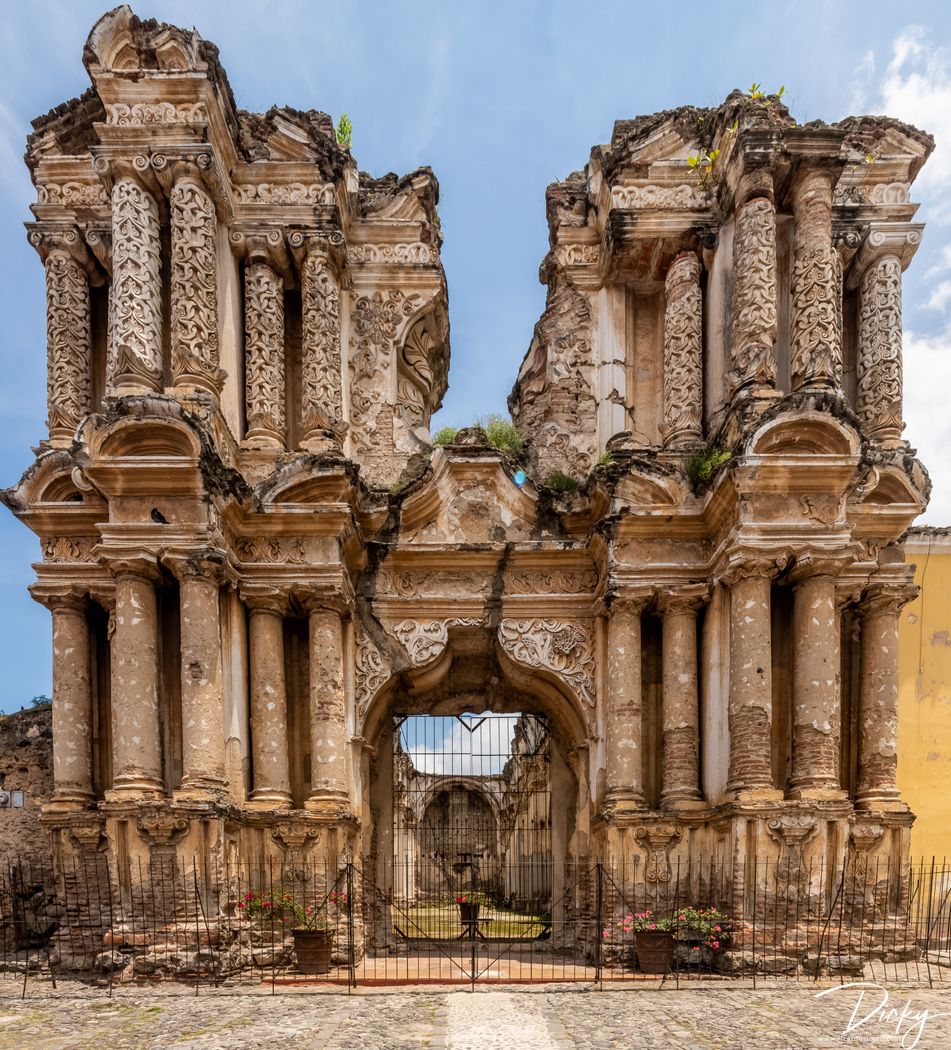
562, 483
702, 466
445, 435
40, 701
757, 94
703, 164
502, 434
344, 131
605, 458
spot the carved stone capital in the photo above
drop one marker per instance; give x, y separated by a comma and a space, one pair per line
810, 564
792, 833
162, 828
887, 598
755, 564
127, 563
674, 601
56, 598
629, 603
268, 600
315, 600
899, 240
207, 563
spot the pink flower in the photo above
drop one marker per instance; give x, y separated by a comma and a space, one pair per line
242, 905
717, 928
716, 944
652, 926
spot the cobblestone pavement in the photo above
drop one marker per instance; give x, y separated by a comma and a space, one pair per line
792, 1018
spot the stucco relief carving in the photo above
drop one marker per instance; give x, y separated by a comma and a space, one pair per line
69, 365
370, 669
194, 286
68, 548
270, 549
753, 315
554, 581
658, 840
122, 114
416, 584
686, 195
880, 347
578, 254
792, 833
72, 194
817, 318
683, 353
424, 641
321, 396
135, 312
822, 508
162, 829
285, 193
264, 352
563, 647
400, 254
416, 373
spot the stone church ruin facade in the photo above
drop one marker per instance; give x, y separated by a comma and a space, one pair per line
255, 559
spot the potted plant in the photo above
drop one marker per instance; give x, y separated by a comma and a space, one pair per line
469, 905
700, 933
312, 932
653, 941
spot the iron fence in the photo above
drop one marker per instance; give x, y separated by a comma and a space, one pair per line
207, 924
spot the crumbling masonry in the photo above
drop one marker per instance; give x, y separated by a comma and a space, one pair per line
253, 555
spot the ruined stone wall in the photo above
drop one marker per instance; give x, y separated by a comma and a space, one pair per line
26, 764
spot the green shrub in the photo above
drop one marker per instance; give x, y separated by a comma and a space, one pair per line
605, 458
559, 482
502, 434
702, 466
445, 435
344, 131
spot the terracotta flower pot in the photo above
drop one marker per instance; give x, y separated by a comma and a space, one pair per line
312, 948
469, 912
655, 950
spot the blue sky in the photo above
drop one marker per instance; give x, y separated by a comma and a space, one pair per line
501, 99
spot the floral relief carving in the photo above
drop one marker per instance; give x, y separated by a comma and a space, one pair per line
543, 581
69, 365
792, 834
683, 196
880, 349
683, 352
264, 350
370, 670
270, 550
416, 370
68, 548
416, 584
658, 840
322, 407
563, 647
817, 318
405, 254
162, 829
285, 193
72, 194
194, 286
753, 313
135, 310
122, 114
578, 254
425, 641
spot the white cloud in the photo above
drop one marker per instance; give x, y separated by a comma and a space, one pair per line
927, 382
445, 746
861, 83
940, 296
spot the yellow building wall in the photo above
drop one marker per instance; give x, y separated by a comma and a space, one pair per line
924, 712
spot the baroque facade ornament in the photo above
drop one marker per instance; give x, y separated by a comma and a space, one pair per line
686, 195
285, 193
194, 287
68, 548
272, 550
68, 344
880, 350
753, 315
265, 388
563, 647
683, 353
320, 370
553, 581
135, 311
658, 840
424, 641
403, 254
72, 194
370, 670
121, 114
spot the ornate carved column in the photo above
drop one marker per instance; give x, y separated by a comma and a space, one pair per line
194, 287
200, 575
683, 353
878, 692
880, 351
681, 767
751, 690
624, 789
264, 353
322, 423
136, 736
134, 364
816, 685
328, 731
817, 287
68, 342
753, 309
272, 784
72, 702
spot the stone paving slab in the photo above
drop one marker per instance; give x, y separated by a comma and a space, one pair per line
790, 1018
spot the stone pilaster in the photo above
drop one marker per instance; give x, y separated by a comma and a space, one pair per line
321, 392
751, 690
816, 682
134, 364
68, 345
880, 351
328, 730
136, 735
265, 387
72, 703
194, 288
683, 353
816, 287
878, 694
753, 322
624, 788
681, 711
200, 575
272, 785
